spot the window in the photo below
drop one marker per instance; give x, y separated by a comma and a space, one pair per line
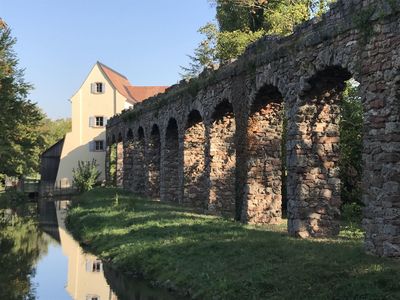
96, 266
92, 297
99, 146
99, 121
98, 87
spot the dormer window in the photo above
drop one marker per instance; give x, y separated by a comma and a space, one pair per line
98, 87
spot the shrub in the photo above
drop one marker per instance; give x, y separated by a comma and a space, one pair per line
85, 177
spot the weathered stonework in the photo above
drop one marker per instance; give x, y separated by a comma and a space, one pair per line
195, 184
228, 161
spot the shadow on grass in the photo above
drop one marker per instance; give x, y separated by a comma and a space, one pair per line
214, 258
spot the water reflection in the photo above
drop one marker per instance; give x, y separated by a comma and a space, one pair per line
21, 246
47, 263
85, 272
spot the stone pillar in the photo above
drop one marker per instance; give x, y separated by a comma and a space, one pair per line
195, 188
223, 161
170, 164
120, 164
139, 167
381, 158
264, 168
127, 164
312, 159
153, 157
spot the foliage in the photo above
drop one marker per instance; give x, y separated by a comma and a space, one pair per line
20, 137
233, 43
21, 246
241, 22
351, 125
54, 130
205, 53
86, 175
214, 258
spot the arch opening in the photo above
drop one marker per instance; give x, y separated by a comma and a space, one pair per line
171, 162
316, 192
222, 160
265, 162
195, 189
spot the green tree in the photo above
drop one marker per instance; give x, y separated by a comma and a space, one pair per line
241, 22
19, 118
351, 125
205, 54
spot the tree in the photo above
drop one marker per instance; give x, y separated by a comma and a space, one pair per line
19, 117
205, 54
241, 22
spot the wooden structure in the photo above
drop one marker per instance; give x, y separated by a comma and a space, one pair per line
50, 161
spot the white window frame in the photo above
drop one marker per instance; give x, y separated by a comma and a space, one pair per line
98, 143
98, 87
101, 120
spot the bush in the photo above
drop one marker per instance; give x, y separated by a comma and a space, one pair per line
85, 177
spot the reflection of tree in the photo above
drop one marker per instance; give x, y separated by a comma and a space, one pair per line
21, 246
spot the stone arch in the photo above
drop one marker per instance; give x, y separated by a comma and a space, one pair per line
222, 153
129, 134
153, 157
170, 162
263, 194
139, 163
195, 190
313, 155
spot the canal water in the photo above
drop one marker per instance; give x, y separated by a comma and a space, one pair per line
45, 262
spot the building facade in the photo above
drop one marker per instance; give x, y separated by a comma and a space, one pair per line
103, 94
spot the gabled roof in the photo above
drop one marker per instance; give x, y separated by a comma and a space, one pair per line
140, 93
133, 94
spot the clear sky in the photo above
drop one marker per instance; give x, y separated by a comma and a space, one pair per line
60, 40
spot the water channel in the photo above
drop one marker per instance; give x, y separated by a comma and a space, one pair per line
45, 262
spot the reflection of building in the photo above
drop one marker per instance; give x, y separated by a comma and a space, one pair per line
103, 94
86, 280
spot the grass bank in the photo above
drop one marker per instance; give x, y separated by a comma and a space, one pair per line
213, 258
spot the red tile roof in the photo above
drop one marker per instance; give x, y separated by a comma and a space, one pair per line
133, 94
140, 93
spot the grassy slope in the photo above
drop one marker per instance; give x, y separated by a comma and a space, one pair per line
216, 258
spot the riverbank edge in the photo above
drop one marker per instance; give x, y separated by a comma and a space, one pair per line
90, 229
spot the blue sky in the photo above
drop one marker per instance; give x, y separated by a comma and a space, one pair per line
60, 40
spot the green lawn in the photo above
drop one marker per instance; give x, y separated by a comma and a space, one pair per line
214, 258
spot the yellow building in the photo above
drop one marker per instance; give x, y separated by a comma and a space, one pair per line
103, 94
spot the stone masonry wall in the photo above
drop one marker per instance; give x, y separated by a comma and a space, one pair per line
264, 178
223, 161
239, 170
170, 164
139, 176
153, 157
195, 185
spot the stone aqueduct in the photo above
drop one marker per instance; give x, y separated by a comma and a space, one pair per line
215, 142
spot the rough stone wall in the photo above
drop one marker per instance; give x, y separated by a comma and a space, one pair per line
195, 185
314, 208
128, 150
170, 164
223, 162
139, 176
153, 157
356, 38
120, 164
264, 177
